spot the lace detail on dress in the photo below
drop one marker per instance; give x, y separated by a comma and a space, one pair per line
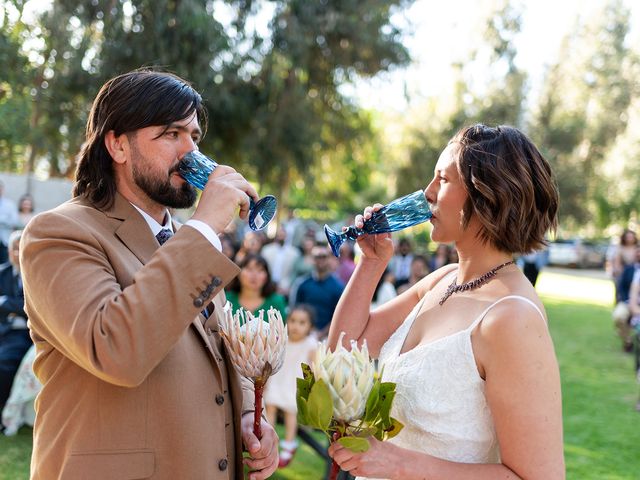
440, 397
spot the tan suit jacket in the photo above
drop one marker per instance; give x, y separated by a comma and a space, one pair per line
136, 382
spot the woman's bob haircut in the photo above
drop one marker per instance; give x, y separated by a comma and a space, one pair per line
511, 188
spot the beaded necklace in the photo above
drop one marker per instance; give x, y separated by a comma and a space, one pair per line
472, 284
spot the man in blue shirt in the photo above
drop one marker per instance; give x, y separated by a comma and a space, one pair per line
321, 289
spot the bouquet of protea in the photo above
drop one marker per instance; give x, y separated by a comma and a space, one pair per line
256, 348
342, 394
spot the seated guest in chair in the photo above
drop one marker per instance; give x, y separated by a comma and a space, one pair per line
14, 334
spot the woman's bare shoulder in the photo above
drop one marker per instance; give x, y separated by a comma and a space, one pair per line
512, 331
514, 315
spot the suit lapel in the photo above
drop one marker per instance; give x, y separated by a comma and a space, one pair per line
134, 231
198, 324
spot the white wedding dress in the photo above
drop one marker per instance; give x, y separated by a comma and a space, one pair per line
440, 396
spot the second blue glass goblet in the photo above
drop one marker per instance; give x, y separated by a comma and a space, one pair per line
195, 168
404, 212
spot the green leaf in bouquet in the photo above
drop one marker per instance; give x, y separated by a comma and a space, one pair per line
307, 374
355, 444
320, 406
373, 402
393, 430
365, 432
303, 388
386, 400
303, 411
387, 387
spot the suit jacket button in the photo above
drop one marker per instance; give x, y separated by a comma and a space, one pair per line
216, 282
222, 464
198, 302
219, 399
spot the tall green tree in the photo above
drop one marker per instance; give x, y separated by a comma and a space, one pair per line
15, 98
301, 128
275, 104
583, 109
497, 98
621, 172
58, 84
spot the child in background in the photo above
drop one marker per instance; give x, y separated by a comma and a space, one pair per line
280, 391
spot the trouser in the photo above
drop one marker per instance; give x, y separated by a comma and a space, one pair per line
4, 252
531, 271
13, 346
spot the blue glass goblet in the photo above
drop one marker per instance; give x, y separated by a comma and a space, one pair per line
195, 168
399, 214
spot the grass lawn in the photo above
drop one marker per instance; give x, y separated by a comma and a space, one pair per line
601, 427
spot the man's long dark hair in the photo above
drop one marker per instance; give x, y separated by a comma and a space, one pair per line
131, 101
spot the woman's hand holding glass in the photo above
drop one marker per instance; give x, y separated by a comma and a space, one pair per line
374, 246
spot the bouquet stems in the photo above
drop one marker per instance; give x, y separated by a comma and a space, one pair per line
257, 413
335, 468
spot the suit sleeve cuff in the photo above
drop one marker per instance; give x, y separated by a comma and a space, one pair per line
207, 231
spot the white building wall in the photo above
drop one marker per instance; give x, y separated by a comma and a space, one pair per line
46, 194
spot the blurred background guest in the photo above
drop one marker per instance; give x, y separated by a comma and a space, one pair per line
419, 269
346, 262
622, 312
623, 255
251, 243
400, 264
384, 291
9, 221
281, 257
280, 391
304, 262
440, 257
26, 209
453, 255
19, 409
295, 229
229, 247
253, 288
532, 263
320, 289
14, 334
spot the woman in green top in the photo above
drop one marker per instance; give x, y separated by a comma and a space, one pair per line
253, 289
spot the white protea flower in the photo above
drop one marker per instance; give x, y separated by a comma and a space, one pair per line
256, 347
349, 375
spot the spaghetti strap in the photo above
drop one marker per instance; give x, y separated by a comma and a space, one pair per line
519, 297
418, 306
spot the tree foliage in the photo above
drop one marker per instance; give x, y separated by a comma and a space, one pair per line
496, 99
272, 74
584, 120
273, 96
584, 107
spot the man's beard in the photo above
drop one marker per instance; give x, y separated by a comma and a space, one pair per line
161, 191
